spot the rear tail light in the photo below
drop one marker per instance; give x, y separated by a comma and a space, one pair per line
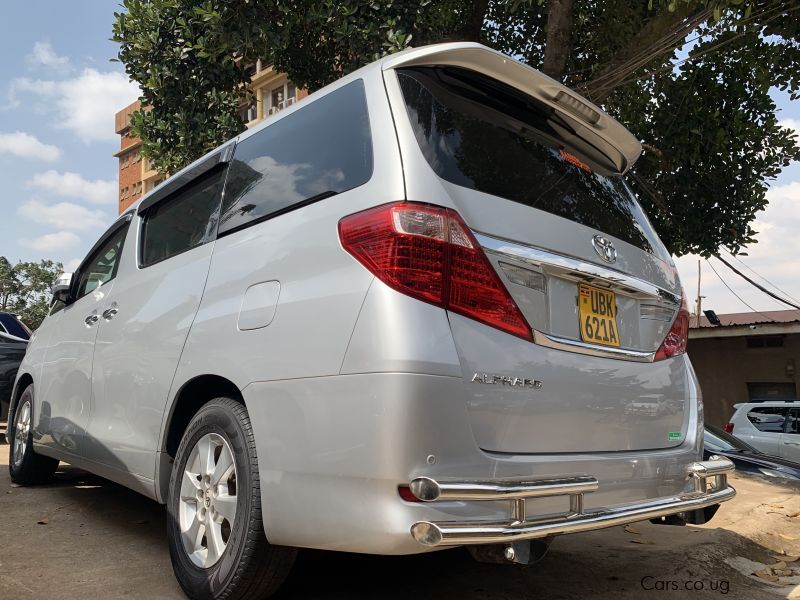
728, 428
678, 336
428, 252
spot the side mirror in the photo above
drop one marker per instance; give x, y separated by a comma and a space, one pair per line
61, 288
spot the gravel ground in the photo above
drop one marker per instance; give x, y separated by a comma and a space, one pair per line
84, 536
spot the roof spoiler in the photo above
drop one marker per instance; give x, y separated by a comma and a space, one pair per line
590, 122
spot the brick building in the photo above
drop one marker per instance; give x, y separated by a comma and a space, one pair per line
273, 92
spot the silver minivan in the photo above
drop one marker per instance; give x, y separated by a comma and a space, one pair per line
419, 309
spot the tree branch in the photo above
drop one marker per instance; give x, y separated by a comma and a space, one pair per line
558, 45
473, 24
661, 35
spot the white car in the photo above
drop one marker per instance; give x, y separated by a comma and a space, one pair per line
770, 426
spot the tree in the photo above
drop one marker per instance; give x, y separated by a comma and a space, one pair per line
690, 78
25, 289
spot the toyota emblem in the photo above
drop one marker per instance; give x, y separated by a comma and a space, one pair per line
604, 248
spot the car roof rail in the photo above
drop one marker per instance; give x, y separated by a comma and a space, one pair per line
760, 400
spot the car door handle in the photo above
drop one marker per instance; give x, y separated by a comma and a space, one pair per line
791, 443
109, 313
91, 320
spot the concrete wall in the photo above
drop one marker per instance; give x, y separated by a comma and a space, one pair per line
726, 365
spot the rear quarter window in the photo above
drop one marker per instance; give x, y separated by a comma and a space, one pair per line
322, 149
768, 419
482, 134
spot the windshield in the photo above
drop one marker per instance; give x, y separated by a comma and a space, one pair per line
716, 439
482, 134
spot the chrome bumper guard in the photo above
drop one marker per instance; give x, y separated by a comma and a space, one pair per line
709, 482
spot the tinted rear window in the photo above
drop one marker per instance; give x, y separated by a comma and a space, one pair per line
482, 134
10, 324
768, 418
324, 148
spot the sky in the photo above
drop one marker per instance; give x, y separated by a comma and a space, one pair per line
58, 96
59, 92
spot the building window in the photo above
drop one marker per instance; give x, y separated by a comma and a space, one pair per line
282, 96
764, 341
249, 113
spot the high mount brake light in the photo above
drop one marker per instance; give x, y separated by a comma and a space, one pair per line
678, 336
428, 252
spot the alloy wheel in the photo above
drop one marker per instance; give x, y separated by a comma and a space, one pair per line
22, 429
207, 508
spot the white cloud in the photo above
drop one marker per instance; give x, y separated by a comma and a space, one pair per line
775, 257
24, 145
72, 265
72, 185
791, 124
89, 102
52, 242
85, 104
43, 54
64, 215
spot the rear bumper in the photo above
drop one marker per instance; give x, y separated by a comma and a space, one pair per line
332, 452
708, 479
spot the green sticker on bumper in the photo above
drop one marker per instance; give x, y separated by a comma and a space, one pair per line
673, 436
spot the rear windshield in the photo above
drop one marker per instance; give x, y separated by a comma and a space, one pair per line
482, 134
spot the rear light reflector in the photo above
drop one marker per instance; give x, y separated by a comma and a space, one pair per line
406, 494
428, 252
678, 335
728, 428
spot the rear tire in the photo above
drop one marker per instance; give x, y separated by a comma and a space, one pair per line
215, 528
24, 465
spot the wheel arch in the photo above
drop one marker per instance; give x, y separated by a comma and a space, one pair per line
23, 381
188, 400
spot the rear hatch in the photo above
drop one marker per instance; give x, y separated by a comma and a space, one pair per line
542, 191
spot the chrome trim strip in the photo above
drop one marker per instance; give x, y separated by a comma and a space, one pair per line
456, 533
429, 490
571, 267
559, 343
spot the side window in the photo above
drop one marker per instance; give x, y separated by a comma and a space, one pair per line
793, 424
101, 267
323, 149
182, 222
768, 418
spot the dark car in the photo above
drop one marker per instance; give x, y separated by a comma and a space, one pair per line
11, 325
12, 351
747, 459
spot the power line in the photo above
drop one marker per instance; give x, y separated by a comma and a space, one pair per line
758, 285
713, 48
735, 294
760, 276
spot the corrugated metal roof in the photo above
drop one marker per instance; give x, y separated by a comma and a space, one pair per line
750, 318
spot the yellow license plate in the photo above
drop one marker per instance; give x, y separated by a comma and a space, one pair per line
597, 310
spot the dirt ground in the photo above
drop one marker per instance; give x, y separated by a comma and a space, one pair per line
84, 537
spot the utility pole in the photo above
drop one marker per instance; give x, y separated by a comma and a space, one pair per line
699, 297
